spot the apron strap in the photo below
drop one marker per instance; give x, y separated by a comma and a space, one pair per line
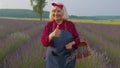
65, 26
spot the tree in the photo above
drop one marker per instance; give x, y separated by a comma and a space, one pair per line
38, 6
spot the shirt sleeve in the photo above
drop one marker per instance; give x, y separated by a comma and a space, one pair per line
76, 36
45, 36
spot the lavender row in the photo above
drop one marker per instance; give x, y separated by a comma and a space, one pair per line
103, 45
11, 26
28, 55
109, 32
96, 60
15, 40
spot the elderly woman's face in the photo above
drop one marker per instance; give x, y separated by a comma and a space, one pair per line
57, 13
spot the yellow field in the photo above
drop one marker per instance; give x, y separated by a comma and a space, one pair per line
115, 21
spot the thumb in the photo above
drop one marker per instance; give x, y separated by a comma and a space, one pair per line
57, 27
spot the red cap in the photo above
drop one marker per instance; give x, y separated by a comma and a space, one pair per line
58, 5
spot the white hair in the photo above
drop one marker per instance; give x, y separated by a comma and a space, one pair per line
65, 16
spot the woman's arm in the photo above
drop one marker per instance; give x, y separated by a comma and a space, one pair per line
45, 39
76, 37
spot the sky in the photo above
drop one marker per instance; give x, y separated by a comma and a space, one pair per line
74, 7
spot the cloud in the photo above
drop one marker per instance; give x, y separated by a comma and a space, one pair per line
17, 4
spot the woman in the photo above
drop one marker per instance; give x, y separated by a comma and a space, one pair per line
61, 39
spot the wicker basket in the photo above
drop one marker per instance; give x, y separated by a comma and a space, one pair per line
83, 50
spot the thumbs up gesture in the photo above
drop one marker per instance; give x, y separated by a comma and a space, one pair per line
55, 33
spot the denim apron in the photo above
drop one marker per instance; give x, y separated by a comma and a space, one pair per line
57, 56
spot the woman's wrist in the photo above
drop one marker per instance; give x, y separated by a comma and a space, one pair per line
50, 37
73, 42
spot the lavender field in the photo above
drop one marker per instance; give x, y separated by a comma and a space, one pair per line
20, 45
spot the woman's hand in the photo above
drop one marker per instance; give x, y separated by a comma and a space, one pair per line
69, 45
55, 33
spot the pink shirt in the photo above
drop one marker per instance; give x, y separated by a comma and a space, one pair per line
68, 25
